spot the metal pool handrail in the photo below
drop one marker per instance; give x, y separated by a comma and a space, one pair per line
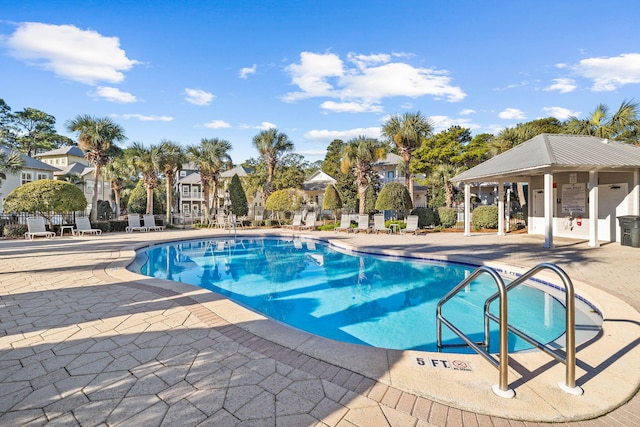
502, 389
569, 360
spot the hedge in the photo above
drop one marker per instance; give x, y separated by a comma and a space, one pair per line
485, 217
448, 217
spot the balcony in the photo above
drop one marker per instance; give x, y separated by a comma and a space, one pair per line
192, 195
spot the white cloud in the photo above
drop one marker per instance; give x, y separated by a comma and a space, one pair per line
69, 52
562, 85
198, 97
261, 126
115, 95
345, 135
144, 118
351, 107
467, 111
560, 113
217, 124
311, 75
247, 71
511, 113
608, 74
441, 123
373, 78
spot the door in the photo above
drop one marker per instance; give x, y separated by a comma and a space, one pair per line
613, 202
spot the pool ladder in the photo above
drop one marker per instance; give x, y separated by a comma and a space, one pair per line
502, 364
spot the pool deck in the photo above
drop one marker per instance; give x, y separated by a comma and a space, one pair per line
85, 342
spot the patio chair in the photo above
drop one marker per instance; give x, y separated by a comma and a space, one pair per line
222, 221
378, 224
297, 222
134, 224
83, 226
150, 223
363, 224
345, 223
309, 222
412, 225
36, 228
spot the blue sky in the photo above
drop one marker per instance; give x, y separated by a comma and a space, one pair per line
315, 70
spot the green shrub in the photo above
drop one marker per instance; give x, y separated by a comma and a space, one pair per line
327, 227
448, 217
257, 223
104, 210
427, 217
105, 226
118, 225
485, 217
14, 231
271, 223
44, 196
394, 197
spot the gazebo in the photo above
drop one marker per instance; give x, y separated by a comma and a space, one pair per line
577, 185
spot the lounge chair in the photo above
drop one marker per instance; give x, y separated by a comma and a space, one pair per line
150, 223
83, 226
222, 221
378, 224
363, 224
36, 228
134, 224
412, 225
309, 222
297, 222
345, 223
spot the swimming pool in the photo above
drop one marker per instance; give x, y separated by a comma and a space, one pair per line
367, 299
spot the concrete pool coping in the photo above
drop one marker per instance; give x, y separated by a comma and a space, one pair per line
607, 366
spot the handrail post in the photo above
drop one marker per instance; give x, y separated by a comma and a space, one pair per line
503, 389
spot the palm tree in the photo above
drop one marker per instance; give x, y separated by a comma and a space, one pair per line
117, 171
407, 132
96, 137
172, 157
271, 144
146, 160
623, 125
358, 156
441, 175
209, 158
10, 162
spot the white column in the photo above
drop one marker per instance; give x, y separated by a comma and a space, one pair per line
548, 210
467, 209
636, 192
500, 208
593, 209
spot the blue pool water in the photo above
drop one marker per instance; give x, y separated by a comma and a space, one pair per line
358, 298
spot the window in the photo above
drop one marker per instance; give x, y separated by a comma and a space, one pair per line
185, 190
26, 177
183, 173
43, 176
185, 208
88, 186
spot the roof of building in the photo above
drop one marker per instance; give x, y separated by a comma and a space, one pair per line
191, 178
319, 180
30, 162
559, 151
69, 150
75, 169
390, 159
238, 170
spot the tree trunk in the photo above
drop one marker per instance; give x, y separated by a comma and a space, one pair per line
169, 201
94, 198
362, 192
150, 200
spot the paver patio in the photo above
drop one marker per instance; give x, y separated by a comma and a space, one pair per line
81, 346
